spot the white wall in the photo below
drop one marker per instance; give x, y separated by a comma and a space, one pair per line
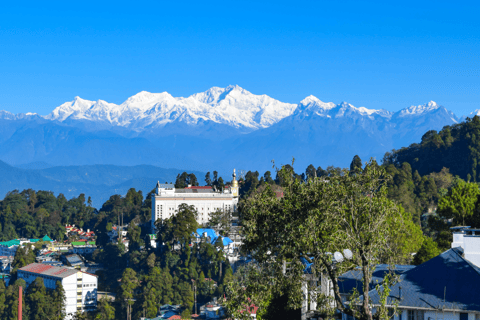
79, 282
164, 208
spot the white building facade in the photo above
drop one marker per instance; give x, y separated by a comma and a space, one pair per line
80, 287
206, 200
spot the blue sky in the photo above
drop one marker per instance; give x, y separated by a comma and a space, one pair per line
381, 54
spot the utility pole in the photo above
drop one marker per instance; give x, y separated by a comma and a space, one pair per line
20, 302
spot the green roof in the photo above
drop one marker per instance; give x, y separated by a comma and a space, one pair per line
10, 243
81, 243
16, 242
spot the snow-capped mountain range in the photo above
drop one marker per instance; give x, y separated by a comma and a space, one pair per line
218, 129
232, 106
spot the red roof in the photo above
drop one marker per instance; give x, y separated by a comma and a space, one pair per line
197, 187
175, 317
36, 268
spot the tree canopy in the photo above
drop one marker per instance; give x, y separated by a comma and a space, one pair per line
313, 219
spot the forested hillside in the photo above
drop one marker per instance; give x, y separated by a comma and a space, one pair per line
456, 147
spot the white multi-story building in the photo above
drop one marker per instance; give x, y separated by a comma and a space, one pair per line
206, 200
80, 287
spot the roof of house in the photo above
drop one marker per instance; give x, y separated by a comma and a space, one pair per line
199, 187
74, 259
58, 272
353, 279
16, 242
169, 314
195, 190
213, 236
448, 280
82, 243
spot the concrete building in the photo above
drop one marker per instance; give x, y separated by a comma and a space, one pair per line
80, 287
206, 200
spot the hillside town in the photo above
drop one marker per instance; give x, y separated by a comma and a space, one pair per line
432, 285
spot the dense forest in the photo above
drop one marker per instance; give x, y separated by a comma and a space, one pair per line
455, 147
433, 182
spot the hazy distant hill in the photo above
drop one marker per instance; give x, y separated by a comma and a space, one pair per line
97, 181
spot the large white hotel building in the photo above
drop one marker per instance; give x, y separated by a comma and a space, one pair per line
206, 200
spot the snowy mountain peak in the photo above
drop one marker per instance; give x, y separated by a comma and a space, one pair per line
313, 104
233, 106
416, 110
62, 112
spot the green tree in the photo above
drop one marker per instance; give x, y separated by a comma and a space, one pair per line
37, 299
268, 177
178, 228
57, 308
312, 220
134, 237
127, 290
428, 251
186, 314
460, 201
356, 164
208, 180
105, 311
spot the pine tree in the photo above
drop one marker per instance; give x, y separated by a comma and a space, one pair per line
105, 311
58, 302
37, 299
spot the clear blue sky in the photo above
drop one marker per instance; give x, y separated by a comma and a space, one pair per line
384, 54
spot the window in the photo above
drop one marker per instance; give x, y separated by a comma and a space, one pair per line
463, 316
411, 315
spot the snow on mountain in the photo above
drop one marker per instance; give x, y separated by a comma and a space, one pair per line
62, 112
233, 106
311, 105
6, 115
470, 115
416, 110
430, 108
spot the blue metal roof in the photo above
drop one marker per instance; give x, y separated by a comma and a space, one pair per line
446, 277
213, 236
354, 278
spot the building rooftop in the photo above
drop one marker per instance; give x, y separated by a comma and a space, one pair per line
16, 242
447, 281
58, 272
354, 278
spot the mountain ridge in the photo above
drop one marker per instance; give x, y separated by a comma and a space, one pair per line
218, 129
232, 106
